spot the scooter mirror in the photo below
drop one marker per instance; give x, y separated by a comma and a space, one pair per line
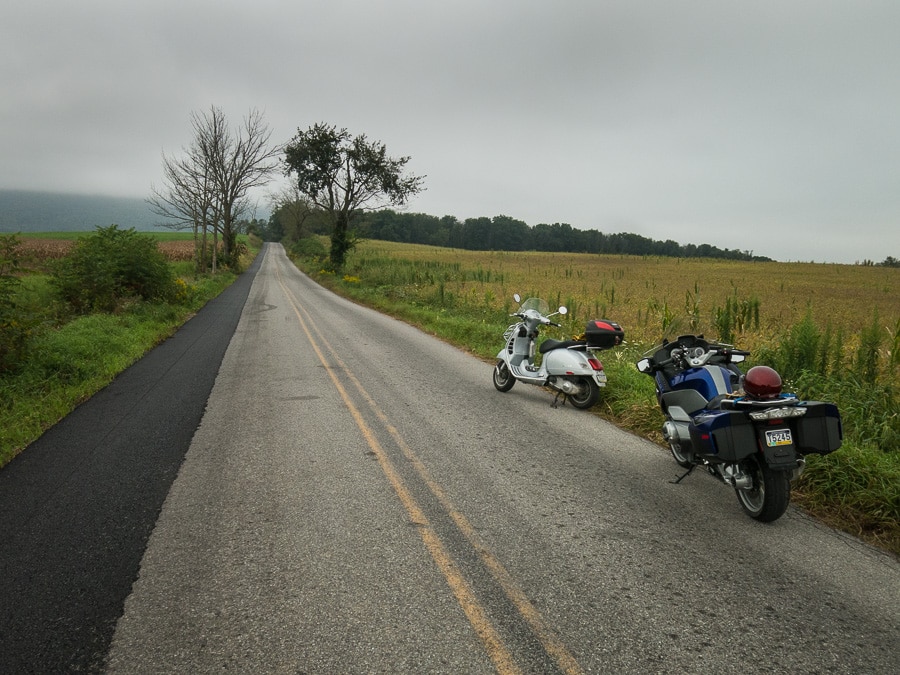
644, 365
563, 310
516, 297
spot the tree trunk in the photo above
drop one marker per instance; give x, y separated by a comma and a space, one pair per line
339, 242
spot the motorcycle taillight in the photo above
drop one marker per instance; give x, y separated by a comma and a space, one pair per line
595, 364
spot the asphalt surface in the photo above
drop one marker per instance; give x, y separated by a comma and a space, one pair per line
78, 505
357, 498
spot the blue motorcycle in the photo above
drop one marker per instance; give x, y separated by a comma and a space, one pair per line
741, 427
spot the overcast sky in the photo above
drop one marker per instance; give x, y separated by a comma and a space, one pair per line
771, 126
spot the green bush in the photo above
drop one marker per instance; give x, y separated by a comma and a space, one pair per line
110, 267
309, 248
16, 323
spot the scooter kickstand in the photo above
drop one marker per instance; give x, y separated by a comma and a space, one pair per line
555, 403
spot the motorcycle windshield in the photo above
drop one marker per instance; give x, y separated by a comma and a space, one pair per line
536, 304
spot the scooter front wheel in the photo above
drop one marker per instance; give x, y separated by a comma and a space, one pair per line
503, 379
588, 394
770, 495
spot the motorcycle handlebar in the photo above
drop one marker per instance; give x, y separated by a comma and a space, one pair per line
680, 355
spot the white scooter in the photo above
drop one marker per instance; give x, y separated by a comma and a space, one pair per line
568, 366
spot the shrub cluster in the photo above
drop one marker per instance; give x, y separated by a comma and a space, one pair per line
15, 322
111, 267
309, 248
862, 384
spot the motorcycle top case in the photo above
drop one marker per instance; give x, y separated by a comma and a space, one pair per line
603, 334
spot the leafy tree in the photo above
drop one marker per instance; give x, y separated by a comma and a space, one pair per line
345, 175
509, 234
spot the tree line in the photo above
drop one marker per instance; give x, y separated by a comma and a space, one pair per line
500, 233
509, 234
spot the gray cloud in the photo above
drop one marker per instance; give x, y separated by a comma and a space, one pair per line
765, 126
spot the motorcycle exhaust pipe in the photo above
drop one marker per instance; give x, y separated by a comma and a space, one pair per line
736, 478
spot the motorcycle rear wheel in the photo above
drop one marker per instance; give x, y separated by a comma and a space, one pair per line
503, 379
770, 495
590, 394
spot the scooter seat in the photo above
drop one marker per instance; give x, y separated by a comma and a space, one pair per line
550, 344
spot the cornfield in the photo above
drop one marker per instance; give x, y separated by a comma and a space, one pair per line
38, 251
649, 296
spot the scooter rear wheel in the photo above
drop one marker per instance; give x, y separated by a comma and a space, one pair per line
588, 396
770, 495
503, 379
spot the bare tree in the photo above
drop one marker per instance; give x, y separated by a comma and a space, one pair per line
293, 210
188, 201
207, 189
238, 162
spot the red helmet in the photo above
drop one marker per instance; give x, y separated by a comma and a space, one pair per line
762, 382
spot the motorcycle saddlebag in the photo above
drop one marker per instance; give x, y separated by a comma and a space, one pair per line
725, 435
603, 334
819, 430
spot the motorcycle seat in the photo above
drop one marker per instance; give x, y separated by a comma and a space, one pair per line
550, 344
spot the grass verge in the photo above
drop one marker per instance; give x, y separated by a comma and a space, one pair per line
68, 364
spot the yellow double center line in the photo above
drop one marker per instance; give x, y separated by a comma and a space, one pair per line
500, 655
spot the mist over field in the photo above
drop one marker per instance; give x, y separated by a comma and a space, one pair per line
26, 211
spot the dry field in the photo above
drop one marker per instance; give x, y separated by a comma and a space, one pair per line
646, 294
39, 250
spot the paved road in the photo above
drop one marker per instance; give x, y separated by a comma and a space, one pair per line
358, 498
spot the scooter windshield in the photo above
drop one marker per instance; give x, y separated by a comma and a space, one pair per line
536, 304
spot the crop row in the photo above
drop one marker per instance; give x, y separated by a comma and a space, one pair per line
38, 251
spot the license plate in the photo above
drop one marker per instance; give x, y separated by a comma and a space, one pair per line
778, 437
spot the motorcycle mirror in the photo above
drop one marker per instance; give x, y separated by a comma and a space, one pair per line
516, 297
643, 365
563, 310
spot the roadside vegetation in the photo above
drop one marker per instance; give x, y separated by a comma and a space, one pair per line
77, 309
832, 331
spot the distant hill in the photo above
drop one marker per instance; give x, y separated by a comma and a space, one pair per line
25, 211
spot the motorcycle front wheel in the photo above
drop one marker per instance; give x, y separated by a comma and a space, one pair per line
503, 379
588, 396
684, 458
770, 495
